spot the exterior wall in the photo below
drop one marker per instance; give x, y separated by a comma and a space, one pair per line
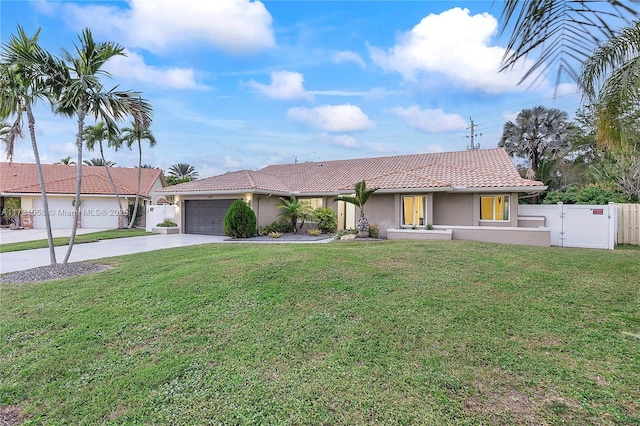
265, 209
152, 192
380, 210
455, 209
525, 236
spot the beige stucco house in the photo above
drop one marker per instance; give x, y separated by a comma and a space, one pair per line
98, 209
463, 195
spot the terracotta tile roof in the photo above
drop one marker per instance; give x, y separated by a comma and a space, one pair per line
22, 178
243, 180
487, 168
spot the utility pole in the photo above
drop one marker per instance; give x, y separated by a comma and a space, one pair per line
473, 135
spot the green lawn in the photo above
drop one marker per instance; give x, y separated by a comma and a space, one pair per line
84, 238
343, 333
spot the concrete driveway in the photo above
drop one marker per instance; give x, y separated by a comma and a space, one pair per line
27, 259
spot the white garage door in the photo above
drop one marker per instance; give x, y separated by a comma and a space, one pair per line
60, 210
98, 213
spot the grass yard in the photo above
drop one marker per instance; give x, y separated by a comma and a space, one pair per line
394, 332
83, 238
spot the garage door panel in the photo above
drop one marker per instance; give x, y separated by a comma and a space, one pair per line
60, 212
99, 214
206, 216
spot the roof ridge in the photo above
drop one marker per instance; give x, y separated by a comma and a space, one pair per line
252, 182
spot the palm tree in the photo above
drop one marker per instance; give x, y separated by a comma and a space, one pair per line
611, 81
362, 195
99, 162
536, 133
95, 135
560, 31
131, 135
21, 86
83, 94
183, 171
67, 161
292, 209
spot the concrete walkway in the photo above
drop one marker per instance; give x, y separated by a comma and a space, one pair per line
27, 259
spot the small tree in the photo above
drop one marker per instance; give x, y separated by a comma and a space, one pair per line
292, 209
326, 219
131, 210
240, 220
361, 197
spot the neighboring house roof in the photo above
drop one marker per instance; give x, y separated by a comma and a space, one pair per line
473, 169
22, 178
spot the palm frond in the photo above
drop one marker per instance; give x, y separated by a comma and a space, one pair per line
559, 29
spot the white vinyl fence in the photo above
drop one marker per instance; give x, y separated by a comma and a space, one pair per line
157, 213
576, 225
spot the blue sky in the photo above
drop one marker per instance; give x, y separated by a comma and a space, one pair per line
240, 85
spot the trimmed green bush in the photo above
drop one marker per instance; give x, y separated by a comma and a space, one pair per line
168, 223
282, 226
326, 219
240, 220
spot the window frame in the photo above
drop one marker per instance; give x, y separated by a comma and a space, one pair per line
415, 215
495, 200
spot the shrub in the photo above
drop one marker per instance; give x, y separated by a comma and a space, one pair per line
314, 232
374, 231
240, 220
429, 227
275, 234
326, 219
590, 194
282, 226
167, 223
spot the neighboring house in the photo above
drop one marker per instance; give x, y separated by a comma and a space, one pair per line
98, 208
473, 194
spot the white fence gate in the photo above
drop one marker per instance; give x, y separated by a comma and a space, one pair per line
577, 225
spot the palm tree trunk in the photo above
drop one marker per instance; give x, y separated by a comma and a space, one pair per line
79, 145
113, 184
135, 207
45, 202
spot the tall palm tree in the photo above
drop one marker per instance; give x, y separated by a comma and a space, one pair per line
611, 81
536, 133
96, 135
21, 86
560, 31
67, 161
362, 195
83, 94
183, 171
136, 134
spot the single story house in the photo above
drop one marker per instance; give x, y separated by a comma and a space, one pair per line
469, 195
98, 208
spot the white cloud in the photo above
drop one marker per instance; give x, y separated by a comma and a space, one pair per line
429, 120
331, 118
285, 85
133, 68
236, 26
345, 141
231, 163
510, 115
456, 45
349, 56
